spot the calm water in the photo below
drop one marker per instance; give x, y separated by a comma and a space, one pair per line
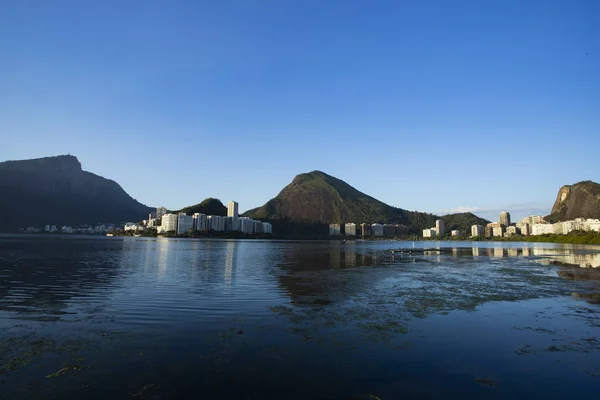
167, 319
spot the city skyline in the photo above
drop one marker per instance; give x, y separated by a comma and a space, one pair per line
302, 85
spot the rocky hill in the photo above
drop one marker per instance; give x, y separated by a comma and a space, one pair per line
55, 190
209, 206
316, 197
581, 200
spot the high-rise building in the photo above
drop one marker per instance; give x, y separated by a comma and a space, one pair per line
232, 211
377, 229
247, 225
184, 223
160, 211
505, 218
365, 229
477, 231
350, 229
429, 232
334, 229
267, 227
439, 227
200, 222
169, 222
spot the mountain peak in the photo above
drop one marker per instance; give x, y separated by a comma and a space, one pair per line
581, 200
61, 163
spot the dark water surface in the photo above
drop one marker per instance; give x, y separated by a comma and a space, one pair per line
124, 318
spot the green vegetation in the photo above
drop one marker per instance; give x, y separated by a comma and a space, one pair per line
575, 237
209, 206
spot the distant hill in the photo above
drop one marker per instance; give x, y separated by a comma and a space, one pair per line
316, 197
581, 200
55, 190
209, 206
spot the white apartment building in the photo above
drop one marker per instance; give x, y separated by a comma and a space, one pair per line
477, 231
428, 233
258, 227
511, 230
334, 229
169, 222
232, 211
247, 225
350, 229
455, 233
377, 229
200, 222
498, 231
184, 223
439, 227
542, 229
267, 227
160, 211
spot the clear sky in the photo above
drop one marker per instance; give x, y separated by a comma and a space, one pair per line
425, 105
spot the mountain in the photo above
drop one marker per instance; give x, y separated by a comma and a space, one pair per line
316, 197
55, 190
210, 206
581, 200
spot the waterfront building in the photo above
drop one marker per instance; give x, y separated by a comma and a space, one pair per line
258, 227
504, 218
525, 229
169, 222
429, 232
455, 233
377, 229
511, 231
267, 227
498, 231
184, 223
334, 229
389, 230
350, 229
247, 225
365, 230
439, 227
542, 229
477, 231
160, 211
232, 211
200, 222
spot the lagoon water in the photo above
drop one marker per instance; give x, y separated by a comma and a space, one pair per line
97, 318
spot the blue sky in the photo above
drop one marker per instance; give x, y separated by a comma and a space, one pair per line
425, 105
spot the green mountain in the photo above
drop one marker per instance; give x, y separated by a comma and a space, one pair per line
316, 197
210, 206
56, 191
581, 200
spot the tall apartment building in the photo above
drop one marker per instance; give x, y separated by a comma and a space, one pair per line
160, 211
350, 229
200, 222
365, 230
429, 232
439, 227
377, 229
169, 222
232, 211
498, 230
504, 218
184, 223
334, 229
267, 227
477, 231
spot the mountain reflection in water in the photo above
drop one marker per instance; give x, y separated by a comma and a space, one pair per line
218, 319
